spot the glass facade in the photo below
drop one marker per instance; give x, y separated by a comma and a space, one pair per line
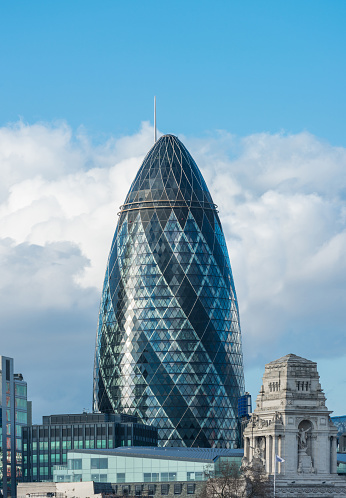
48, 444
168, 346
13, 417
244, 406
152, 465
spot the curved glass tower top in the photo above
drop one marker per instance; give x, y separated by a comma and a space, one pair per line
168, 345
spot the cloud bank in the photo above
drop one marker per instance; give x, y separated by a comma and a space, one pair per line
281, 200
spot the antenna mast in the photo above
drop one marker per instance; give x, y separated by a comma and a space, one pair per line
155, 119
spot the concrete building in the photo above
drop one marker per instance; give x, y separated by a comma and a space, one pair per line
62, 490
48, 444
291, 421
15, 413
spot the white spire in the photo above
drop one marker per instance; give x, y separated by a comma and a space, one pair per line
155, 119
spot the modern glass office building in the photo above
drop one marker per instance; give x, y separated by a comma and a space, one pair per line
48, 444
168, 345
13, 417
146, 471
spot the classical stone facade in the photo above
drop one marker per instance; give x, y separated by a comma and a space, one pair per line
291, 420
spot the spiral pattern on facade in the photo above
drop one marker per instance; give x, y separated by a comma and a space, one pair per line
168, 345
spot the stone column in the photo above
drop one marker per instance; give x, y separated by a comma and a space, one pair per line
268, 454
246, 448
333, 456
274, 451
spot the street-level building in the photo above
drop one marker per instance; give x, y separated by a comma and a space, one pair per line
150, 471
48, 444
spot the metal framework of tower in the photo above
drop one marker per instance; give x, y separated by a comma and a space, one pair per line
168, 345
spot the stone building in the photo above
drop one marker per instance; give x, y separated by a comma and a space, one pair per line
291, 421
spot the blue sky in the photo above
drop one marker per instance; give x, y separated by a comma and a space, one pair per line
244, 66
255, 90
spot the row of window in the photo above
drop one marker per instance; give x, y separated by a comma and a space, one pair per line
139, 489
102, 463
68, 445
21, 417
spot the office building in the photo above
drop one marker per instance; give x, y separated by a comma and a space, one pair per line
168, 345
244, 406
13, 417
48, 444
149, 471
244, 413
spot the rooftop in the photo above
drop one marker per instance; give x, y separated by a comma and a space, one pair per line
292, 359
172, 453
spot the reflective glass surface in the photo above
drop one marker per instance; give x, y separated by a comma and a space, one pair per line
168, 346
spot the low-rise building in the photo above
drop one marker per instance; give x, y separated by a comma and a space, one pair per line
146, 471
48, 444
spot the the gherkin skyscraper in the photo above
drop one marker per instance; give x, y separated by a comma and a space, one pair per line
168, 345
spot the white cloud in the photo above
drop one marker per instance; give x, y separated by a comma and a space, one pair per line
283, 211
282, 205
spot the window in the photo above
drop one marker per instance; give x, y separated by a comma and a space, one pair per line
164, 489
21, 403
99, 463
177, 489
138, 490
168, 476
126, 490
148, 477
190, 489
195, 476
121, 477
21, 417
151, 489
20, 389
75, 464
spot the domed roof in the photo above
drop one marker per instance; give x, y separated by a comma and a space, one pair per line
168, 175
